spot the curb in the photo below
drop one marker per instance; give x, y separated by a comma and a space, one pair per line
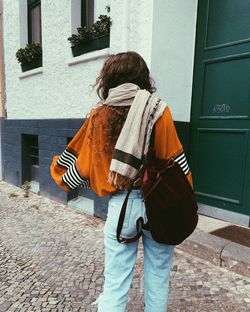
218, 251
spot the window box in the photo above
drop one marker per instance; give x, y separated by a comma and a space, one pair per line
92, 45
36, 62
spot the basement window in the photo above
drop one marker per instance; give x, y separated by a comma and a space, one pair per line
30, 161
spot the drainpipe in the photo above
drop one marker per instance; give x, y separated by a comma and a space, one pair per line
126, 25
2, 88
2, 91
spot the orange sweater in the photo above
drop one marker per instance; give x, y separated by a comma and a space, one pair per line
82, 164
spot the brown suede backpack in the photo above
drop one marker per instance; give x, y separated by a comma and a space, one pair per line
170, 203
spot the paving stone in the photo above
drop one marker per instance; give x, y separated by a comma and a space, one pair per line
51, 259
5, 306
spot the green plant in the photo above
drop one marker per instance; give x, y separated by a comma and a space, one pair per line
84, 35
100, 28
31, 52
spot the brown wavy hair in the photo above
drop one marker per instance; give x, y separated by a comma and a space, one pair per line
126, 67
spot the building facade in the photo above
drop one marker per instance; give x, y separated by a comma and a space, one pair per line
181, 42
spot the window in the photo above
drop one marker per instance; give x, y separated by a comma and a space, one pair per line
34, 21
87, 13
30, 157
83, 13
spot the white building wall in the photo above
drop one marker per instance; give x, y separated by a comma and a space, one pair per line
132, 26
174, 25
2, 91
62, 89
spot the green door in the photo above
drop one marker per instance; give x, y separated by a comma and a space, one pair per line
220, 119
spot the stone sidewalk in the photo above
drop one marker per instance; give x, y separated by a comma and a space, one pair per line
51, 259
218, 250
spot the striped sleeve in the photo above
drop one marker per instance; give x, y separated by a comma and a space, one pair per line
67, 159
168, 145
182, 161
73, 179
64, 167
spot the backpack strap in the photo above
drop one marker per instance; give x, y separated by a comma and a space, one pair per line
139, 224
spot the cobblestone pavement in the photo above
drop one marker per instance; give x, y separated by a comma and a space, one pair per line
51, 259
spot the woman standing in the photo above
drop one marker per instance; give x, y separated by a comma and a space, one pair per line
106, 155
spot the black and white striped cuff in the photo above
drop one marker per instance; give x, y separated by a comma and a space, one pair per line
85, 184
66, 159
182, 161
73, 179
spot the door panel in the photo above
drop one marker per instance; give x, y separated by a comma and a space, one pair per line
220, 118
214, 183
224, 80
227, 21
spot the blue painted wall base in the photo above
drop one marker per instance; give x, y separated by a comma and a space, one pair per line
52, 140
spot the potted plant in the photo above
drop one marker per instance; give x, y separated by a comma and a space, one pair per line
94, 38
30, 57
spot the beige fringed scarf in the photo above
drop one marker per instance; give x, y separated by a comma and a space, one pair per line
133, 141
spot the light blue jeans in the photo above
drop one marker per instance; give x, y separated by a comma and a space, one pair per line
120, 259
